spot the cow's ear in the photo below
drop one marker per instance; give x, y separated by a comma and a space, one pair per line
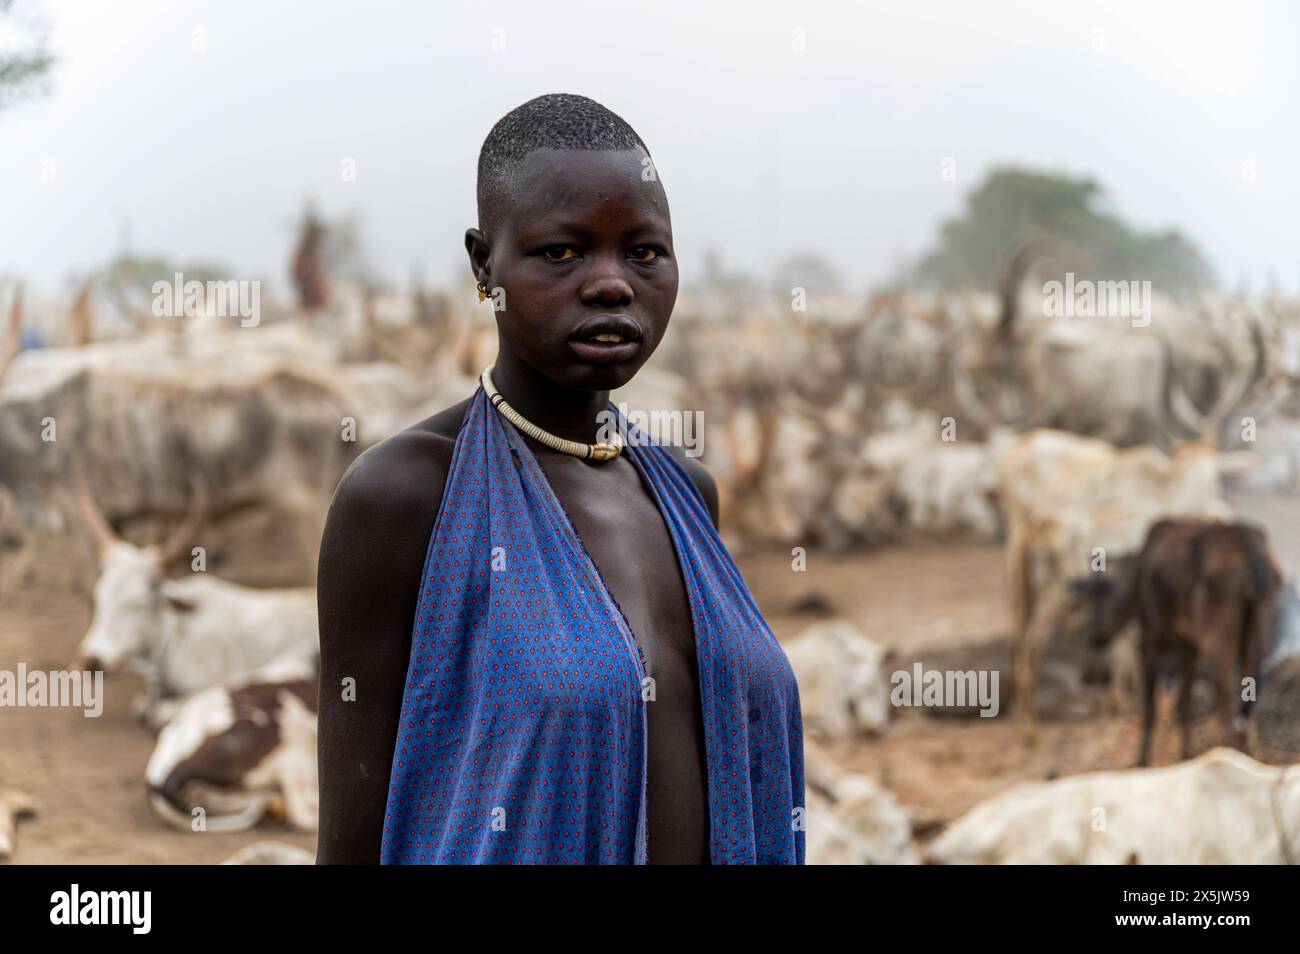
178, 602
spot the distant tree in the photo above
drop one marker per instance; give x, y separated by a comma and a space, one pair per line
133, 271
128, 280
24, 66
1013, 204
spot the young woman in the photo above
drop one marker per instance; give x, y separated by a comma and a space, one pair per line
534, 646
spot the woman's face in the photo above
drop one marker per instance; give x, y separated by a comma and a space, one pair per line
581, 247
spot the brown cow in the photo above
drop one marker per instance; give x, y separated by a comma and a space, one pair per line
1064, 496
1204, 592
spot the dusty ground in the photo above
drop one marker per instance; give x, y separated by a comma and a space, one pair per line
87, 774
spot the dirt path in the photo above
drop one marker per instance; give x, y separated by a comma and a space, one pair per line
911, 597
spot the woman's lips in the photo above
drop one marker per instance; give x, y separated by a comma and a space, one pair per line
604, 352
606, 338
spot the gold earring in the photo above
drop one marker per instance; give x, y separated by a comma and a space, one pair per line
482, 293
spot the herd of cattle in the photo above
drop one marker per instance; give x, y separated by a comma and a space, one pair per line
1098, 452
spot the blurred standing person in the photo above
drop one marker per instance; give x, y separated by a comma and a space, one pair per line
310, 275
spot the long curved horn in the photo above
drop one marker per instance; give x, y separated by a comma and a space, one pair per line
971, 406
13, 333
180, 539
1233, 399
81, 320
1014, 270
1003, 367
101, 531
1031, 250
1209, 425
768, 426
745, 468
1258, 372
1175, 402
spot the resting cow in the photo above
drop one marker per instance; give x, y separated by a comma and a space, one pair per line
1220, 808
13, 806
249, 747
185, 634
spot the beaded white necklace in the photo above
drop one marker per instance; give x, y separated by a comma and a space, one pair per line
598, 452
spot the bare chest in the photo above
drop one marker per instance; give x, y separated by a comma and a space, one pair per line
619, 524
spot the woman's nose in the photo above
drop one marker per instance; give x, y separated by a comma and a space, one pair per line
607, 290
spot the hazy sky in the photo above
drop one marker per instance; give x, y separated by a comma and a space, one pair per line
204, 125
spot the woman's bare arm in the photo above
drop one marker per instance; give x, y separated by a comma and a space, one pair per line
368, 582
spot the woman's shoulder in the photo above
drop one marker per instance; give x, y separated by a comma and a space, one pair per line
699, 475
403, 476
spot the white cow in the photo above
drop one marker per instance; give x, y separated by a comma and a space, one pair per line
1220, 808
850, 819
13, 806
843, 687
185, 634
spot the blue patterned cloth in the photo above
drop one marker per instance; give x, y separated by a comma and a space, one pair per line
522, 736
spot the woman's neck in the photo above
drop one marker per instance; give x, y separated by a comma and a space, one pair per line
564, 412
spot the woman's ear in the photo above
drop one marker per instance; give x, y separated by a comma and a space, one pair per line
479, 251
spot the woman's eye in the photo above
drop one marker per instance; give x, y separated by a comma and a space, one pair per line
644, 253
560, 253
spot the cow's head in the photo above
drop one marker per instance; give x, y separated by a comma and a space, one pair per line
132, 594
1102, 602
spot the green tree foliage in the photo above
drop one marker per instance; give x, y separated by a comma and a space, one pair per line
24, 60
1015, 204
129, 270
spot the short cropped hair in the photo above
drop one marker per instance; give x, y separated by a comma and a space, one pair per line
553, 121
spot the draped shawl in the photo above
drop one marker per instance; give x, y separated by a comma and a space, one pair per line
522, 736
